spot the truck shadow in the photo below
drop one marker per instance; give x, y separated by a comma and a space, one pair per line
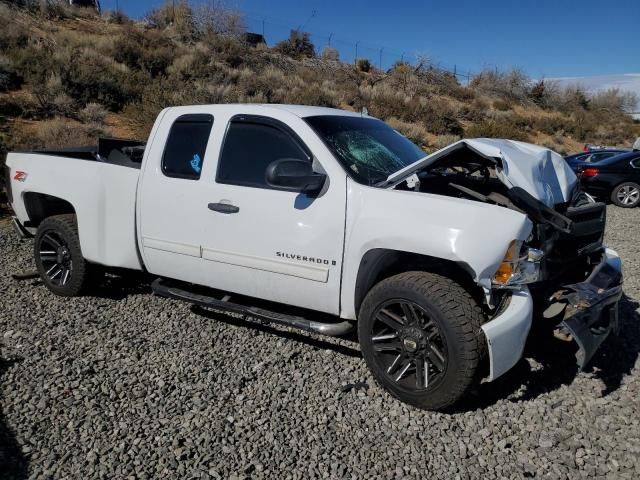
549, 363
119, 285
13, 464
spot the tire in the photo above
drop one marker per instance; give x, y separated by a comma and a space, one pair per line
626, 195
444, 336
59, 259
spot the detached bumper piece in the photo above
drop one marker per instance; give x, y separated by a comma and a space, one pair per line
592, 306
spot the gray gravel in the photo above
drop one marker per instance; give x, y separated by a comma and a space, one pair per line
124, 384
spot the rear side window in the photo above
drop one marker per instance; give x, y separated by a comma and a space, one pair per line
186, 146
250, 145
596, 157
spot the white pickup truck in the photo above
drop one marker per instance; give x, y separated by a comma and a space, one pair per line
440, 261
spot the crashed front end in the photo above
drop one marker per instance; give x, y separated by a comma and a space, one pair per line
564, 278
562, 273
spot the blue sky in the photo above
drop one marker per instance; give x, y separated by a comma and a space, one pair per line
547, 38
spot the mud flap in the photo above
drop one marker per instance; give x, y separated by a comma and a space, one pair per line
592, 306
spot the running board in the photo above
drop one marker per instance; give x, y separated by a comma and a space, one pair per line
161, 288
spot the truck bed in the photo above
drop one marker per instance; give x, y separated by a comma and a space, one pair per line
101, 190
116, 151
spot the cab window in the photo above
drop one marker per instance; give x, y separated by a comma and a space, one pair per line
250, 145
186, 146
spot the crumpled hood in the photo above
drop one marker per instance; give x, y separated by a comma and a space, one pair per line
543, 173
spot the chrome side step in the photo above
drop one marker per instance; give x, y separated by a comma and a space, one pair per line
163, 288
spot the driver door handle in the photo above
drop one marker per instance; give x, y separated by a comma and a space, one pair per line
224, 208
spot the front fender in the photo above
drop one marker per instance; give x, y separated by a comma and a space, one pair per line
463, 231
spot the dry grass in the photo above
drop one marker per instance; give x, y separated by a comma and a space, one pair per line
71, 73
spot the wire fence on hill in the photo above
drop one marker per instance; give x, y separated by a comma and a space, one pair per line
275, 30
349, 50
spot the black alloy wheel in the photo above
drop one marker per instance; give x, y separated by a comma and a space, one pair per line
55, 257
59, 258
408, 345
420, 335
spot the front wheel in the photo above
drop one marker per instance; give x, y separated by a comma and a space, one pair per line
626, 195
420, 336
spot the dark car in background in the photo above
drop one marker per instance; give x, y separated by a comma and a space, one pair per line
616, 178
578, 159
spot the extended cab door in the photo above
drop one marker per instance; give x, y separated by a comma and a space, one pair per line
171, 216
269, 243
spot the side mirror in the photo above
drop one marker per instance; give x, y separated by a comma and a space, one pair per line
294, 175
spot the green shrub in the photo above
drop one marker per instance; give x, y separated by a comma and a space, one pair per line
513, 85
496, 129
9, 107
312, 94
501, 105
34, 63
330, 53
117, 16
231, 51
552, 124
413, 131
442, 141
149, 50
298, 45
9, 77
52, 98
474, 111
92, 113
363, 65
91, 77
175, 15
13, 35
436, 115
60, 133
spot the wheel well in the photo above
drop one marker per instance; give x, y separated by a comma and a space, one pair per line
378, 264
40, 206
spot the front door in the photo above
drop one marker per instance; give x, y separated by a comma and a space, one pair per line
268, 243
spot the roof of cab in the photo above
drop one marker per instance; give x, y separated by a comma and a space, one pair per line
301, 111
309, 111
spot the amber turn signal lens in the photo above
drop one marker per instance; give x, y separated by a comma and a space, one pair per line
507, 267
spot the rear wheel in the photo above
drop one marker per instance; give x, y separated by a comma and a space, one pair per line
58, 256
626, 195
420, 336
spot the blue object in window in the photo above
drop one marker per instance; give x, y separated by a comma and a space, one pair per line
195, 163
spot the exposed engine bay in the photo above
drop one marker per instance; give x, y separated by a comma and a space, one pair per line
568, 234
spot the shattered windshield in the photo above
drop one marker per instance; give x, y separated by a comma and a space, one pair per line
367, 148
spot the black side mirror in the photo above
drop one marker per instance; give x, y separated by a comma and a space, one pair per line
294, 175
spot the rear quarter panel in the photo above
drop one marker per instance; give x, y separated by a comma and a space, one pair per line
103, 196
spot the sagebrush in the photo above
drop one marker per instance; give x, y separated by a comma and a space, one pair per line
75, 71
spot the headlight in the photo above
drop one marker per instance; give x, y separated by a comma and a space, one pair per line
520, 265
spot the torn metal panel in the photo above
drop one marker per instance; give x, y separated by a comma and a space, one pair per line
592, 306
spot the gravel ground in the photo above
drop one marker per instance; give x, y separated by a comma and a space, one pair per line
124, 384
